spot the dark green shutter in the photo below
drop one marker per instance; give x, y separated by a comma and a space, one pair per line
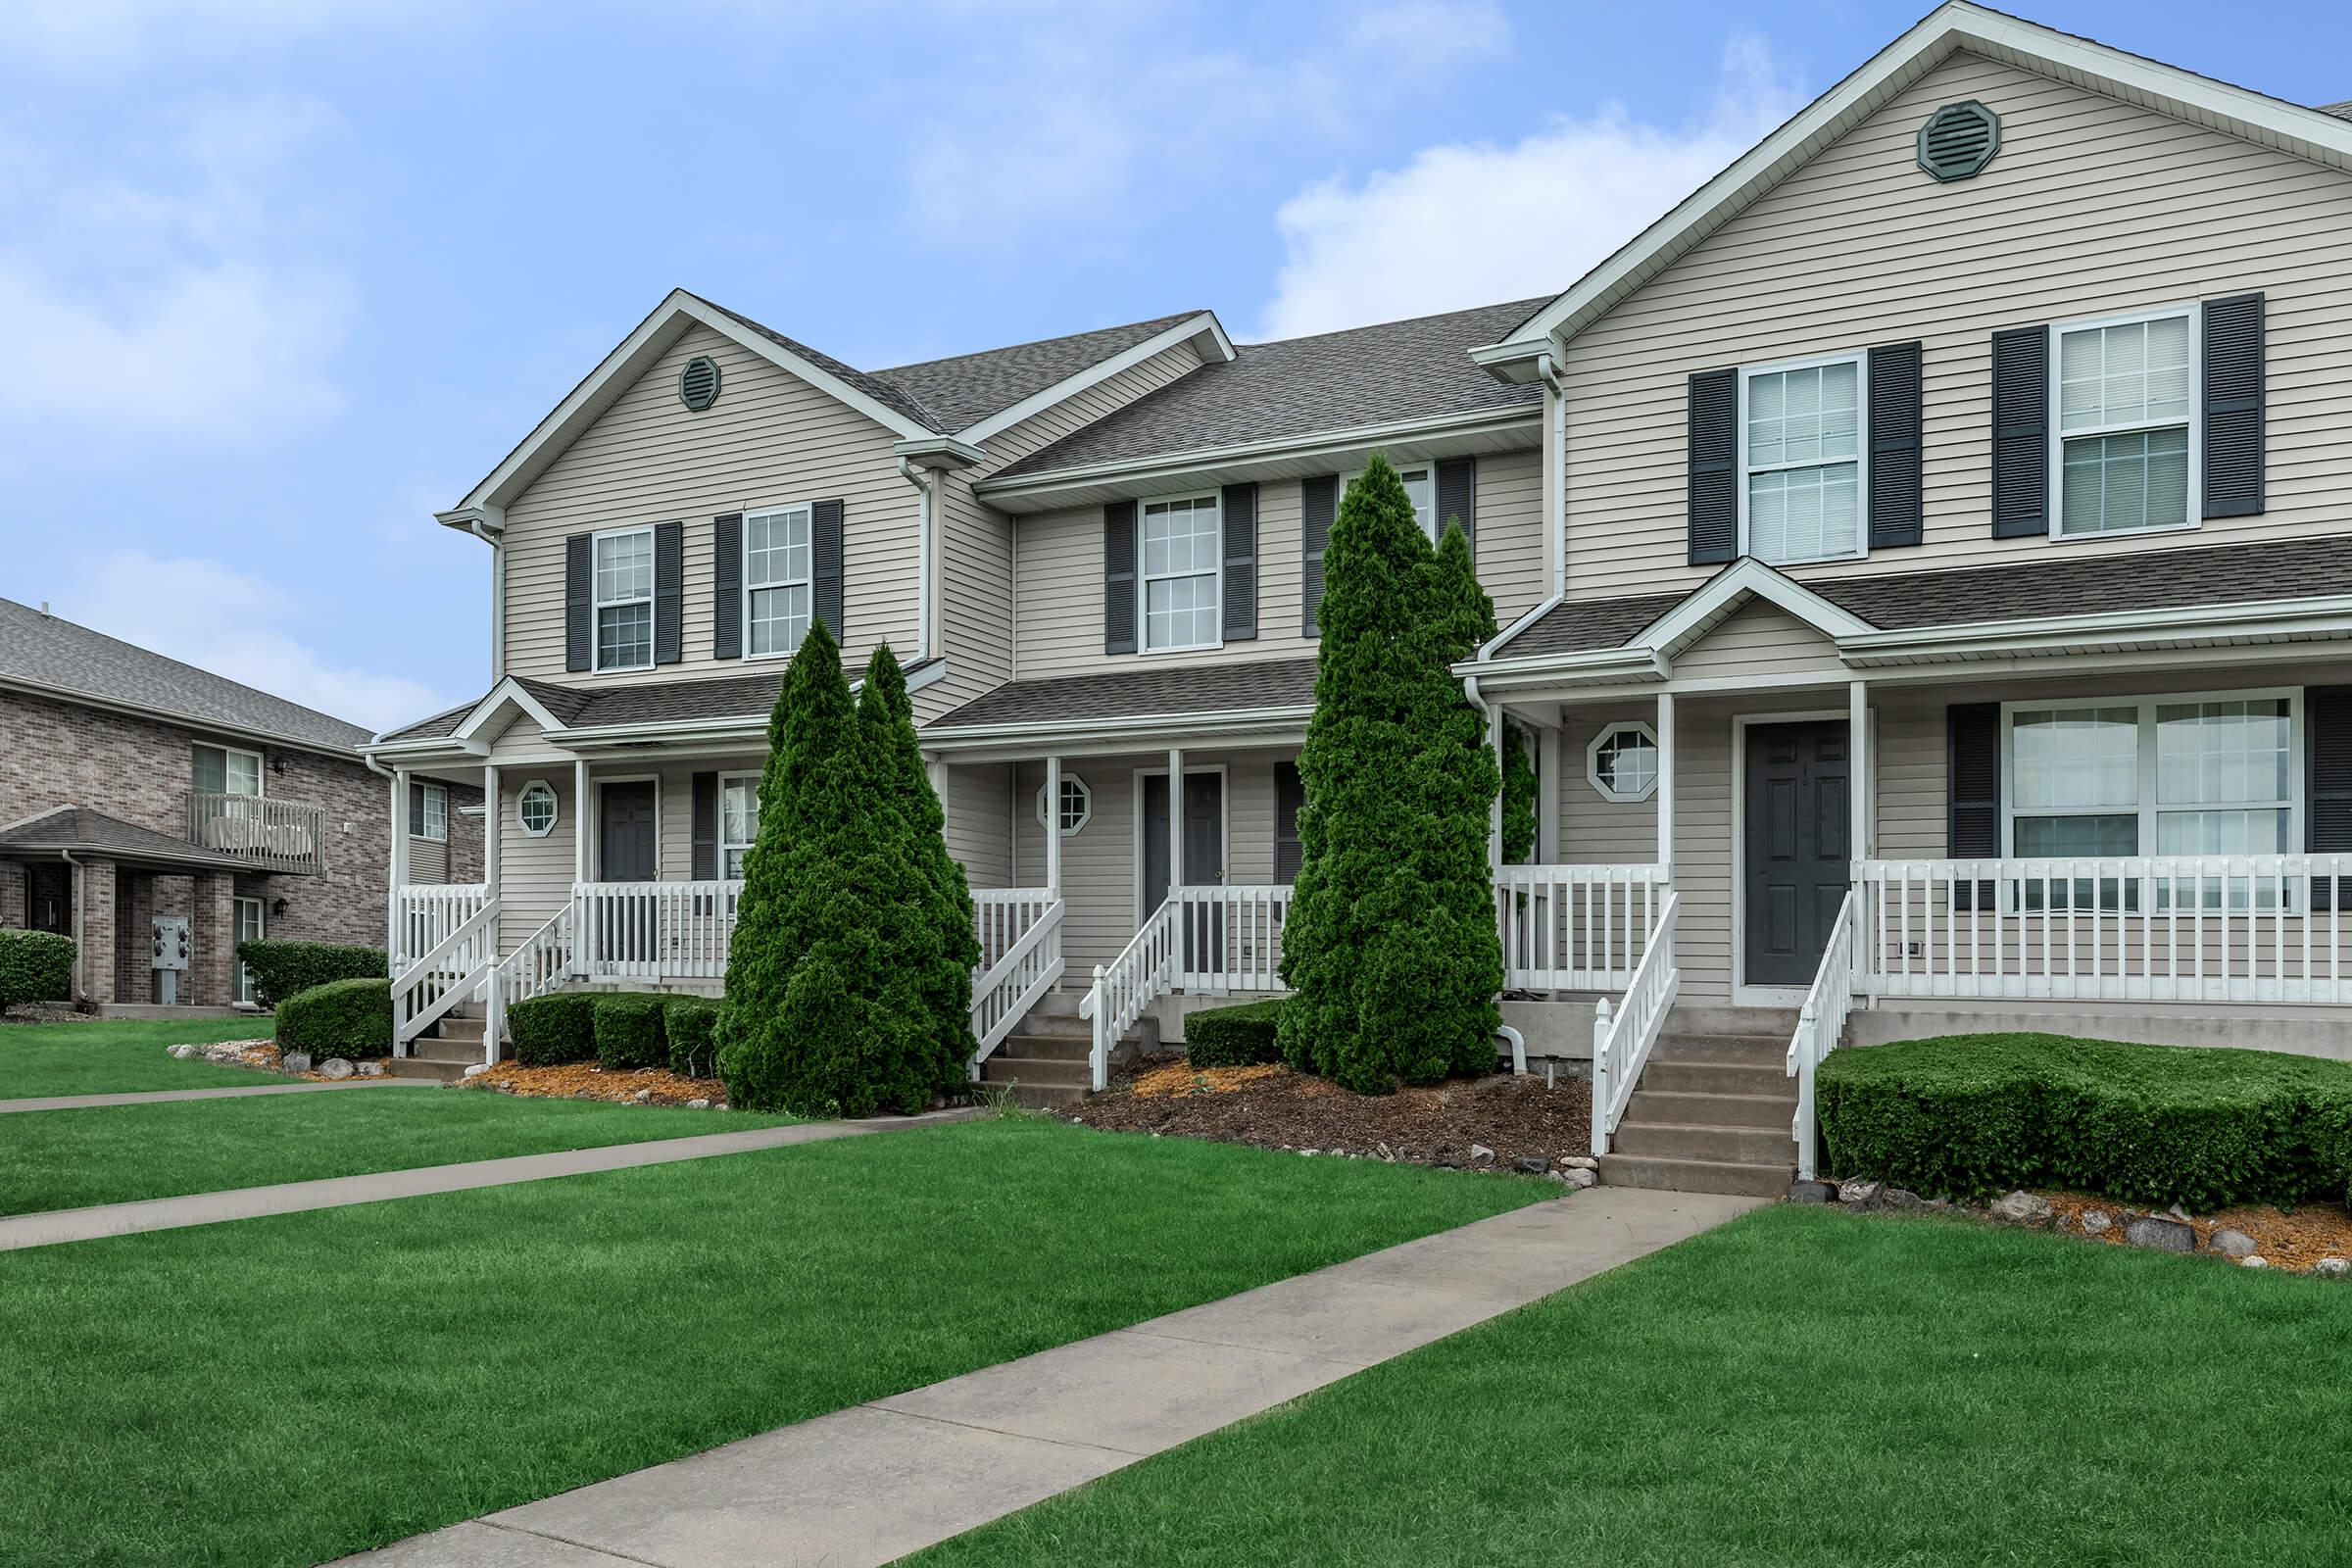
1896, 510
579, 602
1972, 763
1456, 491
1318, 504
726, 586
2021, 432
1118, 577
416, 810
1239, 507
1714, 452
2327, 773
670, 590
706, 827
2233, 406
825, 539
1290, 796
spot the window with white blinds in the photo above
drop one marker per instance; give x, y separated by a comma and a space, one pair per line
1801, 441
2127, 392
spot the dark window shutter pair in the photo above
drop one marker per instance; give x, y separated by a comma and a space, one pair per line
1118, 577
1290, 794
726, 591
825, 568
579, 602
1457, 498
2327, 773
1895, 484
706, 827
1318, 505
1239, 509
1971, 761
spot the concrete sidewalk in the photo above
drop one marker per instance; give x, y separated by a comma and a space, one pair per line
159, 1097
339, 1191
870, 1484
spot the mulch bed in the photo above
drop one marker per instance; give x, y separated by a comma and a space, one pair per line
1275, 1108
585, 1079
2291, 1240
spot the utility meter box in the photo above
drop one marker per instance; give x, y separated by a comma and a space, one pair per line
172, 937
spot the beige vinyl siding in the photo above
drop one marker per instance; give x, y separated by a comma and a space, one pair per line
772, 439
2094, 207
1760, 643
1058, 612
534, 874
980, 803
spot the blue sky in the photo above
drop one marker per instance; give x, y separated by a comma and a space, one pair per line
279, 277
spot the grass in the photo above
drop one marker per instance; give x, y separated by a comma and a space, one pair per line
114, 1153
1796, 1387
283, 1391
118, 1057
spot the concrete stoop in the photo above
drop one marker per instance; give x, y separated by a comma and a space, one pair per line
454, 1044
1712, 1111
1043, 1062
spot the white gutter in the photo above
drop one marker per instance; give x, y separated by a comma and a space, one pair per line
1556, 470
1141, 727
489, 525
924, 489
2273, 620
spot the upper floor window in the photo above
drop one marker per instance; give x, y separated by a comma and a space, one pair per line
2127, 447
624, 599
777, 580
432, 812
1800, 454
1182, 576
1421, 485
738, 822
225, 770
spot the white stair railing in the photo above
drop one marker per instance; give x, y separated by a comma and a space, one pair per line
1001, 917
1621, 1037
1820, 1022
428, 912
1002, 993
542, 963
1575, 927
1127, 985
442, 977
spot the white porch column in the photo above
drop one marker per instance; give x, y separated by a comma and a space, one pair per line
489, 828
400, 865
1859, 769
1666, 782
937, 771
582, 937
1175, 818
1548, 785
1495, 737
1054, 827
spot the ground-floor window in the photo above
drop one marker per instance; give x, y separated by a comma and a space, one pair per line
249, 929
738, 820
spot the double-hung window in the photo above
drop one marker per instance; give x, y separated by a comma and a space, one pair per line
1801, 460
1182, 586
224, 770
1421, 486
432, 812
777, 580
2127, 450
738, 822
625, 600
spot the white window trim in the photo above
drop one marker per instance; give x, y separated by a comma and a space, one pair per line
2147, 806
260, 933
2195, 511
261, 767
1430, 528
420, 830
1860, 361
598, 603
1592, 762
808, 512
554, 804
1086, 813
750, 776
1144, 579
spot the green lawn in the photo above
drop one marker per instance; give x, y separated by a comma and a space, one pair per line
285, 1389
1796, 1387
113, 1153
118, 1057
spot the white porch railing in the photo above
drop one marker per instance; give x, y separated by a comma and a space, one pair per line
1002, 916
1229, 938
429, 912
543, 962
1575, 927
1004, 992
1124, 987
270, 833
655, 930
1821, 1021
445, 974
1622, 1038
2266, 928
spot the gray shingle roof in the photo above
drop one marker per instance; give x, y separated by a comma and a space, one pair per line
1398, 371
79, 828
661, 702
883, 392
2343, 110
1144, 692
69, 659
966, 388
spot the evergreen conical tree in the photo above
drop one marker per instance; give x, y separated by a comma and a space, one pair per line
1390, 943
886, 719
1519, 787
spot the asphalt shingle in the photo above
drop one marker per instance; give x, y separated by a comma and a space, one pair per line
79, 828
1142, 692
966, 388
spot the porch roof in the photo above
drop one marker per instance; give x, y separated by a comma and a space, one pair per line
689, 700
1154, 691
80, 830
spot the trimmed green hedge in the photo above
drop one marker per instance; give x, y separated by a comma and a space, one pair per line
286, 969
692, 1023
1233, 1037
628, 1031
1966, 1116
551, 1030
340, 1018
35, 966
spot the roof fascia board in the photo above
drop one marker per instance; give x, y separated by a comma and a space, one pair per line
725, 726
2326, 616
508, 690
1584, 666
179, 720
1722, 595
1121, 729
1202, 325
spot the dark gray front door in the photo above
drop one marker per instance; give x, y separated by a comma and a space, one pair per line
1204, 857
625, 853
1793, 850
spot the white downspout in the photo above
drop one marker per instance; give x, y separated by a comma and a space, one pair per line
496, 540
1556, 470
926, 490
1495, 733
391, 872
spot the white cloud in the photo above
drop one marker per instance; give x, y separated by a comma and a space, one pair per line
1464, 224
235, 624
84, 36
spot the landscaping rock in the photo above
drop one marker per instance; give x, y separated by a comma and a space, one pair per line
2331, 1268
1559, 1176
698, 1105
1857, 1192
2021, 1208
183, 1053
1810, 1191
1481, 1154
2095, 1222
2253, 1261
1529, 1165
1580, 1179
476, 1069
296, 1061
2233, 1244
337, 1067
2165, 1234
1900, 1197
1580, 1163
372, 1069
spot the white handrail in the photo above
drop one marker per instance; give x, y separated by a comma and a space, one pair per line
1622, 1040
1125, 987
1004, 992
655, 930
1230, 936
1001, 917
1575, 927
541, 963
1820, 1022
429, 911
455, 968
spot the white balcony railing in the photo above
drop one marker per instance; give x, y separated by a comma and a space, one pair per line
270, 834
1576, 927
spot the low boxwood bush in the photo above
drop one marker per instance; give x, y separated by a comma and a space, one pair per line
35, 966
628, 1031
340, 1018
552, 1029
287, 969
1233, 1037
691, 1024
1966, 1116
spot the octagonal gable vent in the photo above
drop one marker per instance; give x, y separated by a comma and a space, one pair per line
697, 383
1958, 140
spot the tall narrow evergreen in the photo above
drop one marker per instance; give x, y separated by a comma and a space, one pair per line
1390, 943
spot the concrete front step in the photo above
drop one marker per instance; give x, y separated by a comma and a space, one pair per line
449, 1072
1751, 1050
452, 1027
1738, 1145
1711, 1110
1047, 1047
1003, 1069
1704, 1077
428, 1047
1698, 1175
